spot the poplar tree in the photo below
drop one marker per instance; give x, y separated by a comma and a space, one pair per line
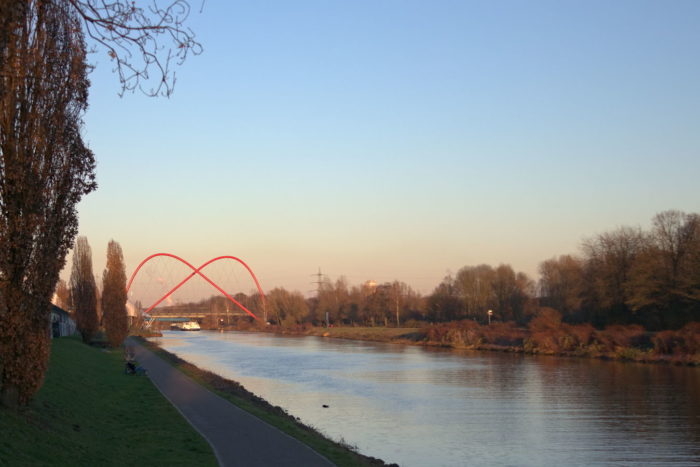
62, 295
114, 296
45, 167
84, 290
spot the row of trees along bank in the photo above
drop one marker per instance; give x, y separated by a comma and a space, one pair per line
625, 276
96, 308
45, 166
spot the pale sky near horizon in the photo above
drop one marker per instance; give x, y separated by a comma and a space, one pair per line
400, 139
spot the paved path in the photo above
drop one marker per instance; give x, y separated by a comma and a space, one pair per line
237, 437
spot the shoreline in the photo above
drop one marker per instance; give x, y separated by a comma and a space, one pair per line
338, 451
456, 336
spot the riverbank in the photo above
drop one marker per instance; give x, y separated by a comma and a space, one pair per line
389, 399
545, 335
338, 453
88, 412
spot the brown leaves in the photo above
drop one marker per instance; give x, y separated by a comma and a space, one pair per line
84, 290
24, 347
114, 296
45, 169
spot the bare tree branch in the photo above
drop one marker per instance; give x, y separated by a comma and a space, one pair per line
143, 42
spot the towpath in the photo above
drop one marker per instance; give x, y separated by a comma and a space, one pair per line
237, 437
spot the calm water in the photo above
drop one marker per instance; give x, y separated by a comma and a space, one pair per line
422, 407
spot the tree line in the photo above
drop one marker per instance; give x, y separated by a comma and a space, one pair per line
624, 276
96, 308
630, 276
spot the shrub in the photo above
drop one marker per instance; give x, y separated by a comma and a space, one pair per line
618, 335
630, 353
685, 341
691, 338
583, 333
546, 319
543, 342
412, 323
664, 342
550, 335
504, 334
460, 333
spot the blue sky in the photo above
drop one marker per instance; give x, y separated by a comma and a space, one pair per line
401, 139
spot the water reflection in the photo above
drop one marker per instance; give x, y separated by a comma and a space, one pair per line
417, 406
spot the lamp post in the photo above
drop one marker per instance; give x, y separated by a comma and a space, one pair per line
490, 312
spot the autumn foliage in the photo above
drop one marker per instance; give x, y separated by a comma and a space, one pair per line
24, 345
548, 334
682, 342
468, 333
45, 169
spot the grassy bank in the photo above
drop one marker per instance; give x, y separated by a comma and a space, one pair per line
405, 335
378, 334
90, 413
338, 453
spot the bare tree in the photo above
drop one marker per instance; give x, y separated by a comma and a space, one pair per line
511, 293
475, 287
444, 303
608, 262
288, 308
45, 169
114, 296
342, 299
403, 300
665, 282
84, 290
561, 284
325, 303
675, 234
133, 37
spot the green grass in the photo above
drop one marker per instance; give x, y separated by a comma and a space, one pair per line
90, 413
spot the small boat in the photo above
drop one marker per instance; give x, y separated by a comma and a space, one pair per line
186, 326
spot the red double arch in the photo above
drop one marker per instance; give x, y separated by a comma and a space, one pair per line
198, 271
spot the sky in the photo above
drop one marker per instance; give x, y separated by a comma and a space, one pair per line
400, 140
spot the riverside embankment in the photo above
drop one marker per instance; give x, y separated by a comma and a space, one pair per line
88, 412
545, 335
237, 437
420, 405
233, 392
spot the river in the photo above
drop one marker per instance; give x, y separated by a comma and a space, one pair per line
418, 406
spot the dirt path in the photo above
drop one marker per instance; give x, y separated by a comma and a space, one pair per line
237, 437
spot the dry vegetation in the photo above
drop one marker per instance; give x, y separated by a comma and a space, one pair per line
546, 334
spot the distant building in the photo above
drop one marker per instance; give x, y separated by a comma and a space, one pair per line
369, 286
61, 323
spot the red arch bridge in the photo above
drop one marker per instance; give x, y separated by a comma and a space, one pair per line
150, 313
